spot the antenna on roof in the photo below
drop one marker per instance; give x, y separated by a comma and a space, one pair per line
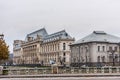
99, 32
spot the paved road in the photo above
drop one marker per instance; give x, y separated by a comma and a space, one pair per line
66, 78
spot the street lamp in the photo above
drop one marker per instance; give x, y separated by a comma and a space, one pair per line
113, 56
119, 52
1, 36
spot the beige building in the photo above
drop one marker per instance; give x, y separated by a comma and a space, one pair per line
17, 52
43, 49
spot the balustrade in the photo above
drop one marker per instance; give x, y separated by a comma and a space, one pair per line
37, 71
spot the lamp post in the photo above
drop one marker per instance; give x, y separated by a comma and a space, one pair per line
86, 61
1, 36
113, 57
119, 52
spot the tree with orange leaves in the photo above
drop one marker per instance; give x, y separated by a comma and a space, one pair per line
4, 52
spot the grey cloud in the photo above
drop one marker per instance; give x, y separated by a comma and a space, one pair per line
78, 17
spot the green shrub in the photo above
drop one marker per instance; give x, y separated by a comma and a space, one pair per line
5, 72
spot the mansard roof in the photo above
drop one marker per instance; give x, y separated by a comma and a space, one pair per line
46, 37
42, 32
99, 36
58, 35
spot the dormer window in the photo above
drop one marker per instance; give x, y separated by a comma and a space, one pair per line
66, 34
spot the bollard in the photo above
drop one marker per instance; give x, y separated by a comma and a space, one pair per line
87, 70
79, 70
17, 72
27, 72
64, 71
72, 71
102, 70
44, 72
95, 70
36, 72
110, 70
117, 70
9, 72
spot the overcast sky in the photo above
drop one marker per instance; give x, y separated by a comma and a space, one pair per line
78, 17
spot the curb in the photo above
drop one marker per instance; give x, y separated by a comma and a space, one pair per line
59, 75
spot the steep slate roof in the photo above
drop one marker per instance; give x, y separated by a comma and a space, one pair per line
41, 32
99, 36
61, 34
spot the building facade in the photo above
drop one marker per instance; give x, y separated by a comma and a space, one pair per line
41, 48
96, 49
17, 52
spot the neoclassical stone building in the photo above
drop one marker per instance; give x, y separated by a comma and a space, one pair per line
17, 52
96, 49
41, 48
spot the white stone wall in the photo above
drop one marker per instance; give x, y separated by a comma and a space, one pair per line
92, 52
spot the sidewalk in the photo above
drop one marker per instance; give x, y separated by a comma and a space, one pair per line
63, 75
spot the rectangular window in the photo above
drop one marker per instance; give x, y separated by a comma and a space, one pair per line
115, 48
98, 48
64, 46
86, 49
64, 54
110, 48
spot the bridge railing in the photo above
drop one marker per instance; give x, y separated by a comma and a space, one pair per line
37, 71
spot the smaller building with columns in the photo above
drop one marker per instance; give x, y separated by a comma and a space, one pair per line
97, 49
